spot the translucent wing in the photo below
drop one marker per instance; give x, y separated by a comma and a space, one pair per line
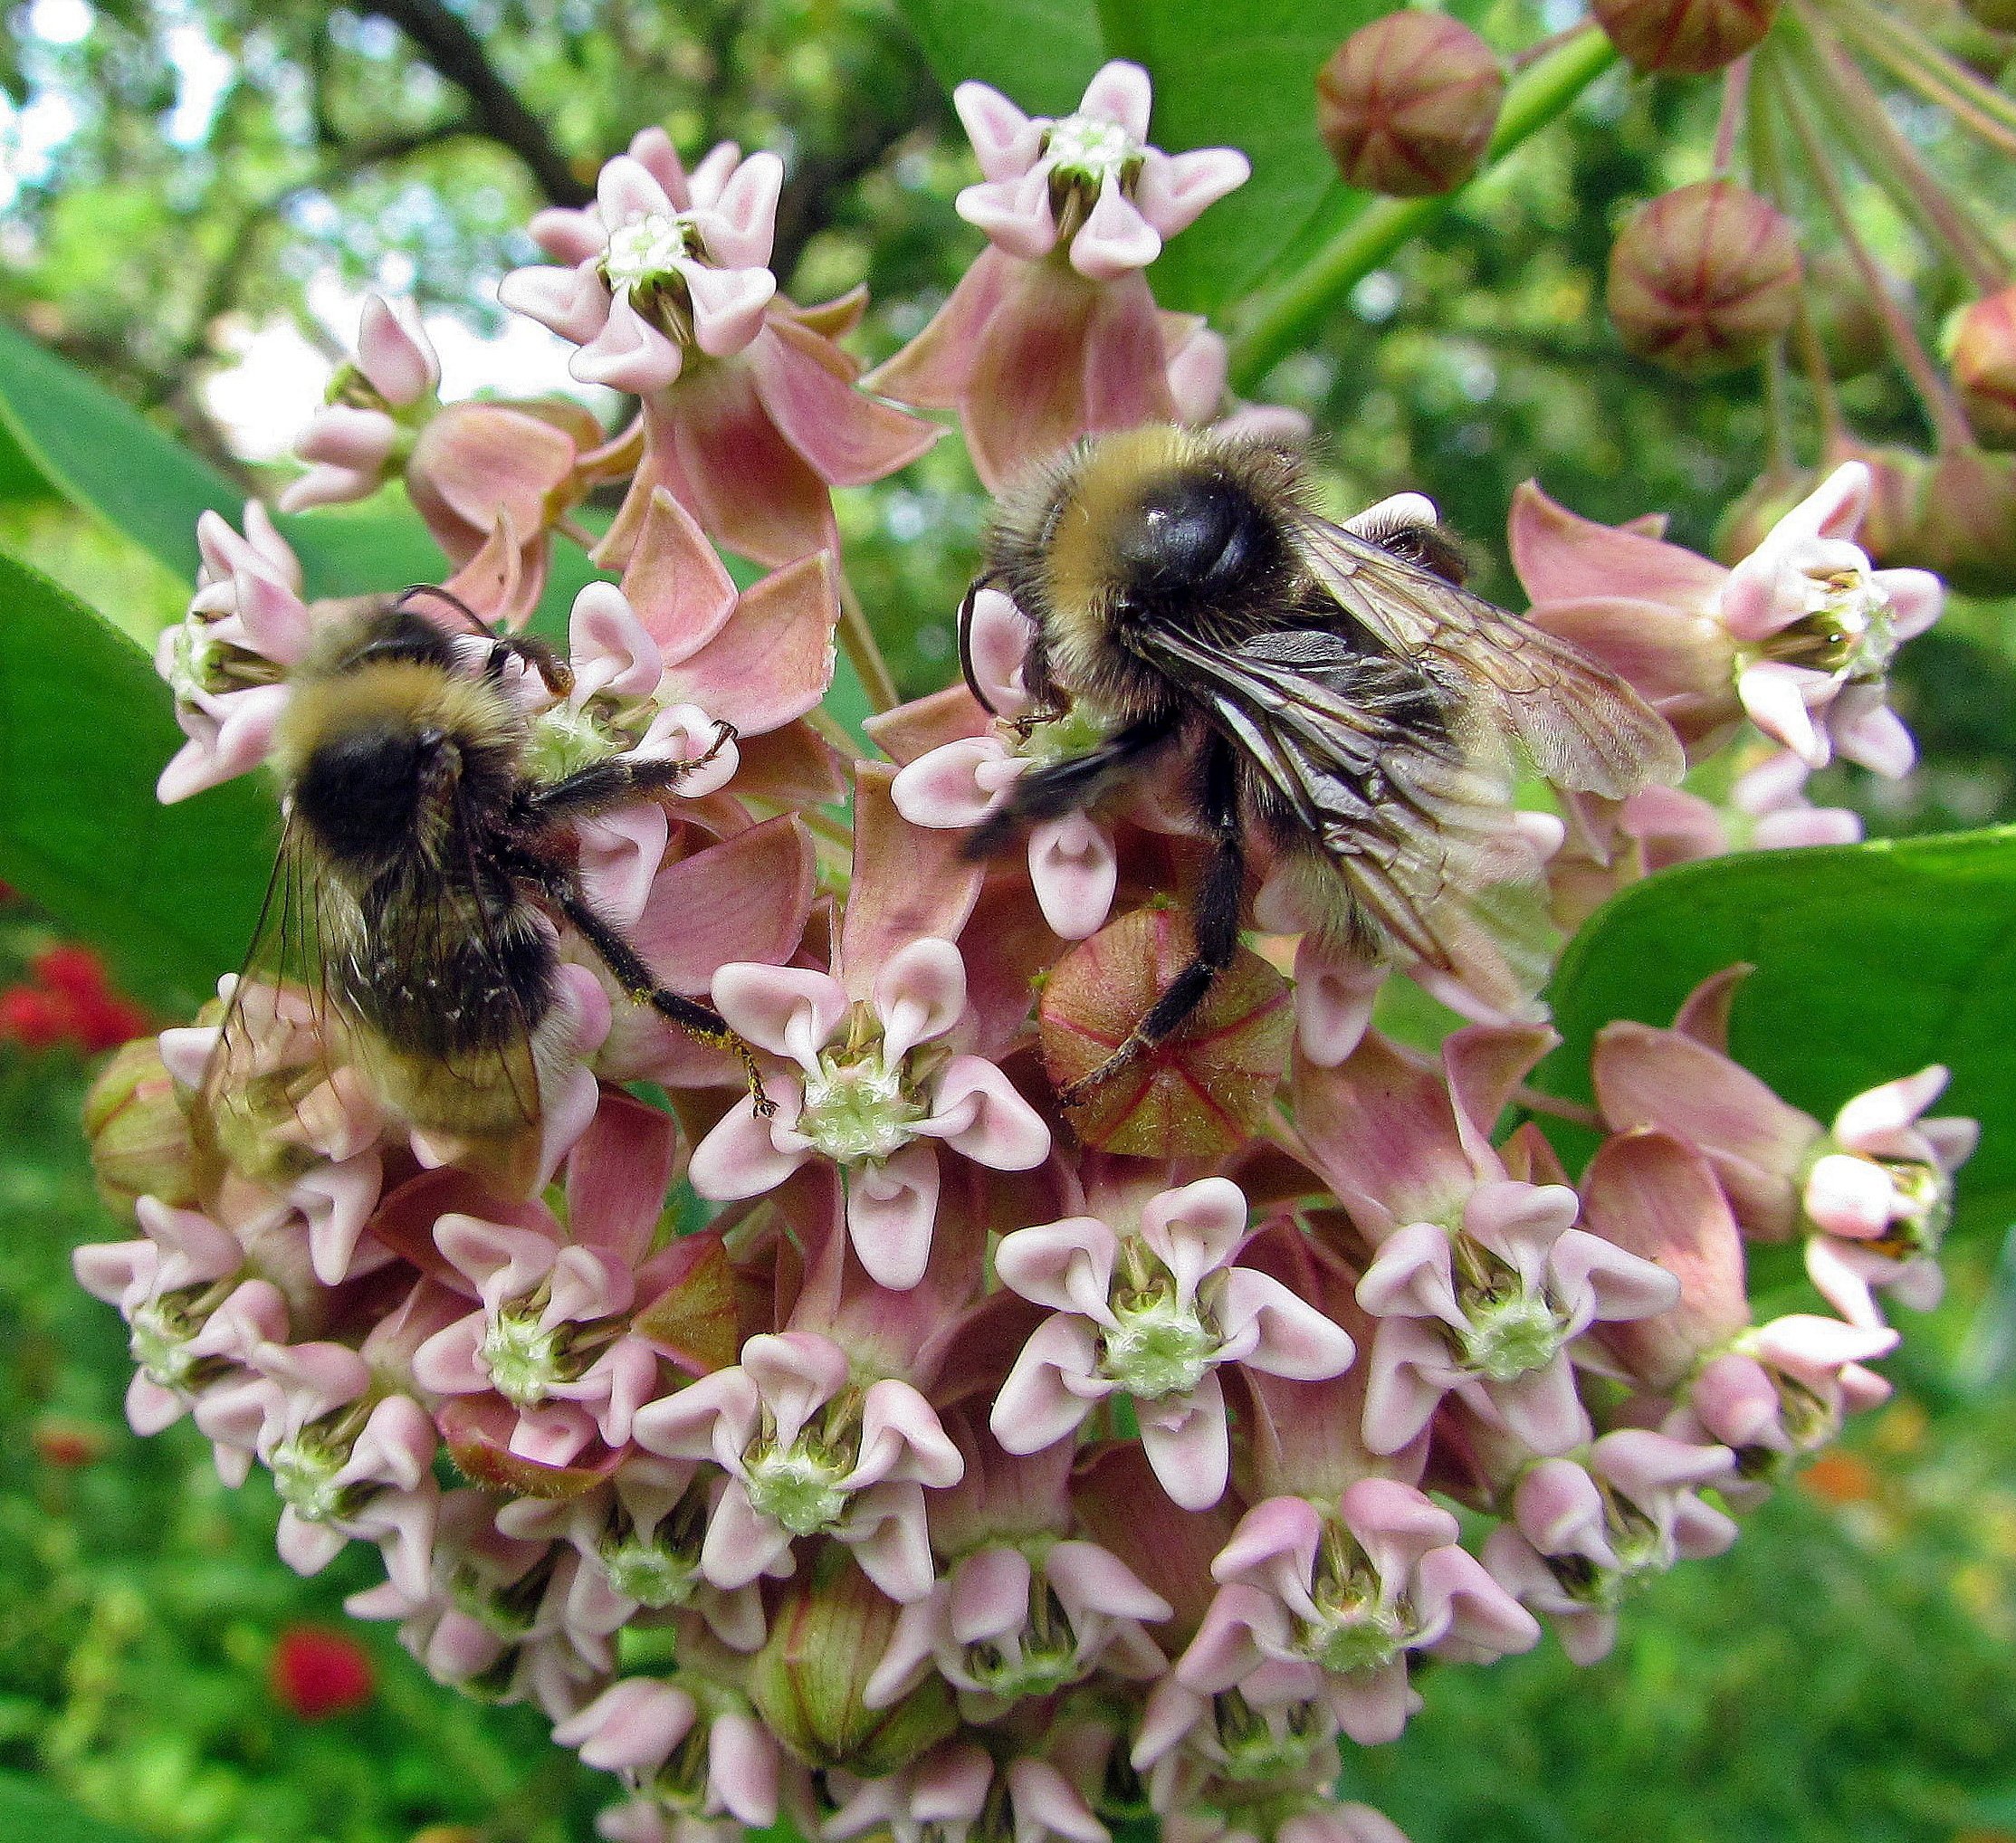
1585, 729
1378, 768
270, 1100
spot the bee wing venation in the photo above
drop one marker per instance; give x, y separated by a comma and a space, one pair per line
1371, 759
1585, 729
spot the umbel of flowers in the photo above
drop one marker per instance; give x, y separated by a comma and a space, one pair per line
981, 1467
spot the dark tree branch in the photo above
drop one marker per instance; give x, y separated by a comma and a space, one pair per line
457, 53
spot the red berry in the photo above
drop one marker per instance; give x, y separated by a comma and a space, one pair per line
70, 967
318, 1673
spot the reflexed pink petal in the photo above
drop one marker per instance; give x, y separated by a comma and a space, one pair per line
847, 438
1088, 1578
477, 461
1074, 870
891, 1209
1561, 557
1867, 731
1025, 398
1046, 1805
774, 660
677, 583
1126, 377
909, 882
933, 369
1198, 362
740, 900
618, 1175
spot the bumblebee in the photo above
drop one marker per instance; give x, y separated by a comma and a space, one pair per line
1342, 705
421, 872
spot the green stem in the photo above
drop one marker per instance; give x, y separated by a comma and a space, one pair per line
858, 641
1280, 318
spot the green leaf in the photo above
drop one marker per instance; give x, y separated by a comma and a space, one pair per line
171, 893
1872, 960
1244, 80
31, 1813
104, 455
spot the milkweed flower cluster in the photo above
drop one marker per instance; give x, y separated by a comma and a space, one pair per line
976, 1465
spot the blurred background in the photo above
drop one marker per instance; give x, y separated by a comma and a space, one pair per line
193, 198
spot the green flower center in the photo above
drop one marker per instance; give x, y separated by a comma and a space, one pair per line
1160, 1347
645, 251
1926, 1193
1259, 1748
563, 740
1509, 1337
858, 1108
650, 1575
304, 1471
1059, 738
798, 1487
159, 1334
524, 1361
1848, 630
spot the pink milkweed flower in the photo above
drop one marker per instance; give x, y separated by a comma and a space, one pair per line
750, 414
1585, 1534
1799, 635
1025, 1608
1194, 1749
374, 403
643, 1729
1073, 867
1149, 1305
348, 1462
943, 1796
226, 661
639, 1534
1052, 333
1882, 1196
1772, 795
873, 1086
809, 1450
1342, 1597
191, 1308
1480, 1281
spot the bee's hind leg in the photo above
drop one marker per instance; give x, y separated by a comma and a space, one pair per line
1214, 919
701, 1022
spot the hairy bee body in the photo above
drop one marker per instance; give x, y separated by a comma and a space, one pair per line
423, 872
1341, 700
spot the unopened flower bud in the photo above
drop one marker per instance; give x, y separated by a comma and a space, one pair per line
138, 1134
1231, 1050
1984, 367
1703, 278
1896, 488
1685, 37
809, 1680
1965, 527
1407, 104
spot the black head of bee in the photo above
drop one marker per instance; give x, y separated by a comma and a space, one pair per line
365, 790
1197, 542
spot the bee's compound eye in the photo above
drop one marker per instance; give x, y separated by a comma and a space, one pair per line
1190, 527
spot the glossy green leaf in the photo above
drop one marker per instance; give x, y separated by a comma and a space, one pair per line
104, 455
171, 893
1244, 79
32, 1813
1872, 960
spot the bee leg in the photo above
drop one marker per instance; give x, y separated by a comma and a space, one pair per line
1214, 918
606, 785
702, 1022
1068, 785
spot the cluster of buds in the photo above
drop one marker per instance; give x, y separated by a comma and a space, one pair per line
921, 1454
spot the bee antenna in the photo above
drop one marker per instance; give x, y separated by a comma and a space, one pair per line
453, 600
966, 639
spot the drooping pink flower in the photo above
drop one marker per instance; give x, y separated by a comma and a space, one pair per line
1479, 1281
1799, 635
942, 1796
1148, 1304
226, 661
809, 1450
749, 413
1882, 1196
375, 403
1052, 333
1585, 1533
872, 1084
638, 1728
1342, 1597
